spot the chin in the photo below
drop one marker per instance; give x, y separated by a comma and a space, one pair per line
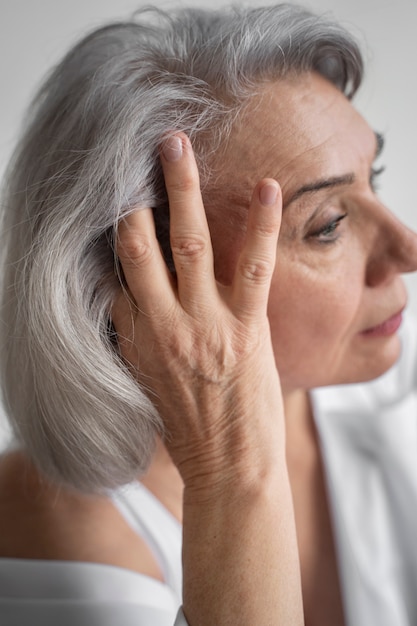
375, 361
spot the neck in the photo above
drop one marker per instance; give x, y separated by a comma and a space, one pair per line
164, 480
301, 435
296, 404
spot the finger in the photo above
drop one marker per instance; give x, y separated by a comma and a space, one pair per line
189, 233
256, 262
144, 268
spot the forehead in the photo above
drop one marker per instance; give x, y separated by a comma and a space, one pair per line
300, 129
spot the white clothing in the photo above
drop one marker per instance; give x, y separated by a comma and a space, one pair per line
368, 437
48, 593
55, 593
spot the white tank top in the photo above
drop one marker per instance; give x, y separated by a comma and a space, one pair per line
160, 530
69, 593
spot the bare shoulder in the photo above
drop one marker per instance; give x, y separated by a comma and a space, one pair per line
39, 520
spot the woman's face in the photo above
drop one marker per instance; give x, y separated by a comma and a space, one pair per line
336, 293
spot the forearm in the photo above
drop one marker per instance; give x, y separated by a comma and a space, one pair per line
240, 556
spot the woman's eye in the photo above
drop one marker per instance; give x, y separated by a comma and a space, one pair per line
373, 179
328, 232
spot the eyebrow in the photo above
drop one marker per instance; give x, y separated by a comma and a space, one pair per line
318, 185
334, 181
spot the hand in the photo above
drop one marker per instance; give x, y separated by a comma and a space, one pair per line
202, 350
204, 353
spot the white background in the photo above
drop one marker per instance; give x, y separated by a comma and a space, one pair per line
35, 33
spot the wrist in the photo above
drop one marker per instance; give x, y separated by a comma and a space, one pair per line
226, 484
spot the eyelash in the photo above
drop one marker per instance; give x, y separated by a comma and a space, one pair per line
373, 177
327, 234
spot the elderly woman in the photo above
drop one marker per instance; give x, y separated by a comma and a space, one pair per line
163, 351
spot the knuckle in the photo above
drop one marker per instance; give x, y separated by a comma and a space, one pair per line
257, 272
191, 246
185, 183
135, 250
265, 229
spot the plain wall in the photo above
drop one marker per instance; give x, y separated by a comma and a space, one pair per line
35, 33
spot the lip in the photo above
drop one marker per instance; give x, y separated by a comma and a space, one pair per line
386, 328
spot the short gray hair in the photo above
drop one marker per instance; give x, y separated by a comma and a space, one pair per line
89, 156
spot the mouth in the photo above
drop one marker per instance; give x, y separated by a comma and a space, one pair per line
386, 328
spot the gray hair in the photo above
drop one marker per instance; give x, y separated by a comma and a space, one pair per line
89, 156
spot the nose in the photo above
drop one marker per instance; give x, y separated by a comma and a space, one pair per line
394, 249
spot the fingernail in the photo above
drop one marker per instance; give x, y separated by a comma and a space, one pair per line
172, 148
268, 194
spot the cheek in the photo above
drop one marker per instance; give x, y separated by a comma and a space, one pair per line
313, 318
